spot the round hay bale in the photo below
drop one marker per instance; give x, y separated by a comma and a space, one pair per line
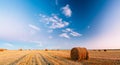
99, 50
20, 49
46, 49
94, 50
79, 54
1, 49
58, 49
105, 50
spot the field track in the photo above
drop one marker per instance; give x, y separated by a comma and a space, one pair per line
61, 57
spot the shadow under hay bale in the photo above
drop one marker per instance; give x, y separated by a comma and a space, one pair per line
79, 54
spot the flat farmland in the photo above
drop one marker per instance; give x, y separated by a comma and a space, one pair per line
57, 57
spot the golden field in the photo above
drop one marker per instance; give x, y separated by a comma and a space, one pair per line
57, 57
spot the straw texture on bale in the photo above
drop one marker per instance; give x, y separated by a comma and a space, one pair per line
79, 54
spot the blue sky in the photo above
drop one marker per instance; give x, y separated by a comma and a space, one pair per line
59, 24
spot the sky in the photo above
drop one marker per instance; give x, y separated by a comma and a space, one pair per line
59, 24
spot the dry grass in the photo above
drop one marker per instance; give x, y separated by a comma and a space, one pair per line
8, 57
61, 57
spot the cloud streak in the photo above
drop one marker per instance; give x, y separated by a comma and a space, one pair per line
68, 33
71, 32
66, 11
34, 27
54, 22
65, 35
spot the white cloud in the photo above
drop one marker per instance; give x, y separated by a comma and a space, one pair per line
8, 44
34, 27
65, 35
75, 34
58, 25
66, 11
71, 32
54, 22
67, 30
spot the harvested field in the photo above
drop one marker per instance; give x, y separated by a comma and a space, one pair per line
54, 57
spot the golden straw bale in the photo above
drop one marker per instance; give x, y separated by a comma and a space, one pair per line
20, 49
105, 50
78, 54
1, 49
46, 49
